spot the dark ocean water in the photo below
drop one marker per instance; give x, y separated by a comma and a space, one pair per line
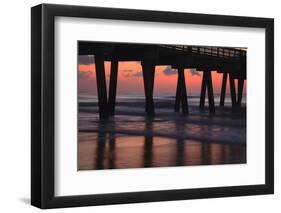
130, 139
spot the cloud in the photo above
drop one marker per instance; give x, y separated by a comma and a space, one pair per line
169, 71
127, 73
85, 74
138, 74
130, 73
194, 72
86, 59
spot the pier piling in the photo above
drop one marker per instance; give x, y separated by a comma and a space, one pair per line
148, 69
112, 86
101, 87
207, 85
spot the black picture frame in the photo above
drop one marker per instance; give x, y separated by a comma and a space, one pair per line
43, 117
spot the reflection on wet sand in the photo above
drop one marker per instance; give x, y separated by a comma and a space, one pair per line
112, 150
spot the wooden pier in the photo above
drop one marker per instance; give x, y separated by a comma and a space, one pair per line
230, 62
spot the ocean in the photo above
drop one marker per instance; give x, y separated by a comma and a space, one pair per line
130, 139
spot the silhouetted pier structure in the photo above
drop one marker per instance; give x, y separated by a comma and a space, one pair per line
230, 62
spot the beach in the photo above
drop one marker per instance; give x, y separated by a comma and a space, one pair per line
130, 139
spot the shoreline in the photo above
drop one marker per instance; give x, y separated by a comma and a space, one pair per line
130, 139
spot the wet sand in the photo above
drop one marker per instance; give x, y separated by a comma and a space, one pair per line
132, 140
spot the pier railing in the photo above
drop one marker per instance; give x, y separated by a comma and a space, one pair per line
222, 52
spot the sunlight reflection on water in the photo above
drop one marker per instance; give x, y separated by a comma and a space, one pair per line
132, 140
108, 152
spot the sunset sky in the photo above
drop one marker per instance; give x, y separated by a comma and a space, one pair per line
130, 79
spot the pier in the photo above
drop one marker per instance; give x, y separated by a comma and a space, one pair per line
229, 62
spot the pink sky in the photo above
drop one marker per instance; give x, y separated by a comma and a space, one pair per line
130, 80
